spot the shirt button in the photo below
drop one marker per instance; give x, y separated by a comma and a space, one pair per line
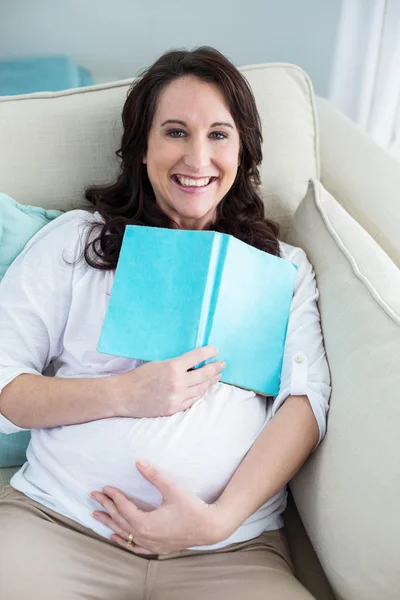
298, 358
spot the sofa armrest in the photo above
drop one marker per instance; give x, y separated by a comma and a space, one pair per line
363, 177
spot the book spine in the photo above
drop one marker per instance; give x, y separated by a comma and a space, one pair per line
211, 292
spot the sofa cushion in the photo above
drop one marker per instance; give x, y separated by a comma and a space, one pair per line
347, 494
56, 144
18, 223
13, 448
41, 73
370, 195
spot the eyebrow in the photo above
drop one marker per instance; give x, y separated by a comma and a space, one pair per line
216, 124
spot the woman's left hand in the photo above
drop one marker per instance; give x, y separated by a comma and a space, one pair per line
181, 521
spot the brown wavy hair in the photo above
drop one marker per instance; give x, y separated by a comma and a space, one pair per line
131, 200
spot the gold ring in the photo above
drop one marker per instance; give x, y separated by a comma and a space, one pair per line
130, 540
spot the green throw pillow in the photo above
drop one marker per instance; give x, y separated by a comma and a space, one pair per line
18, 223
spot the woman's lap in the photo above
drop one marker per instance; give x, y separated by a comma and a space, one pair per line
45, 555
42, 558
256, 570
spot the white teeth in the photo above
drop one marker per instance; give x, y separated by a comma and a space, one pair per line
186, 181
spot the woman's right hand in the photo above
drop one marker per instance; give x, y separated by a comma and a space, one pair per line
163, 388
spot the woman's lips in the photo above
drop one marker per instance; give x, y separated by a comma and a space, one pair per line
191, 189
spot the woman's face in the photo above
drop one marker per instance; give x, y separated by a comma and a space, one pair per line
193, 151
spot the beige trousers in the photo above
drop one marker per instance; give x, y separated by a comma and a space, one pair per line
44, 555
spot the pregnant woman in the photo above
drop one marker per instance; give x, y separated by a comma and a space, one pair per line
153, 480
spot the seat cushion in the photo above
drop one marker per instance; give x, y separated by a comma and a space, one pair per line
56, 144
347, 494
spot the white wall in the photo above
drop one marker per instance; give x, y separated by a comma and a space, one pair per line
116, 38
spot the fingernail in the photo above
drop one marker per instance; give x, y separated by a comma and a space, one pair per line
143, 463
223, 365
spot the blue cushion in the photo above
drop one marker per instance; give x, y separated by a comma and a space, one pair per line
13, 448
41, 74
18, 223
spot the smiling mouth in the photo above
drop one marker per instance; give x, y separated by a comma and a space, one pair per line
189, 182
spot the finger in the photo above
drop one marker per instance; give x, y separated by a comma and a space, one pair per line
125, 508
190, 402
205, 373
134, 548
110, 507
198, 391
162, 483
195, 393
111, 524
194, 357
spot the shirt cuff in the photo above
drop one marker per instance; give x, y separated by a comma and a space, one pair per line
7, 376
317, 393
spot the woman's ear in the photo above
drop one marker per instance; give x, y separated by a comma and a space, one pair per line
144, 160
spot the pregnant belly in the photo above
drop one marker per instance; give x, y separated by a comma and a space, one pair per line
199, 448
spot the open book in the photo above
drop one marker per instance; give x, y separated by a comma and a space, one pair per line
176, 290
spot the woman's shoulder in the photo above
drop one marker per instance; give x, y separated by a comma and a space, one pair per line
305, 277
293, 253
66, 231
59, 243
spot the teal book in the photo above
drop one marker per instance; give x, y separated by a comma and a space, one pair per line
176, 290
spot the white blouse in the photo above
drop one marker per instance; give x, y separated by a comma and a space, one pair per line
51, 312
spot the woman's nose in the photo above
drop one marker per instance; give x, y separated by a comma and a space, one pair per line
197, 155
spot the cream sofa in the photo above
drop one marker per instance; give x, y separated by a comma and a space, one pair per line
346, 496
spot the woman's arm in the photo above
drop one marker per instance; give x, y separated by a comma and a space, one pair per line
278, 453
160, 388
299, 410
33, 401
183, 520
35, 299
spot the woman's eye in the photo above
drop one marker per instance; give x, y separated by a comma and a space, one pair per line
219, 135
176, 133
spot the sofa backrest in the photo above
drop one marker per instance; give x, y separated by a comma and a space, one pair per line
362, 177
348, 492
53, 145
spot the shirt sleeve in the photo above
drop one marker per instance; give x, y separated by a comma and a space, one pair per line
304, 369
35, 296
